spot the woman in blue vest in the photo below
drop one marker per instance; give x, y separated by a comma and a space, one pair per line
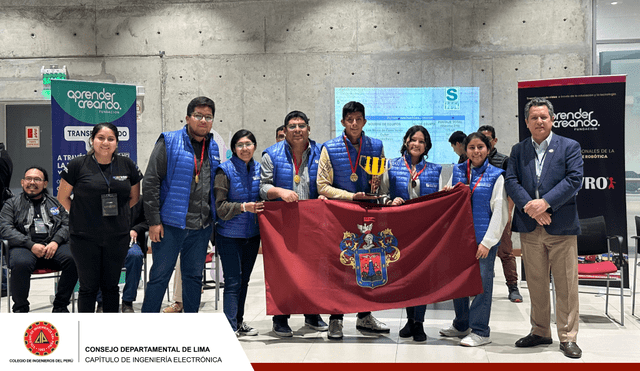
411, 176
489, 206
237, 191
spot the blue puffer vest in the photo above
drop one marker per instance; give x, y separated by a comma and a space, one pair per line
342, 167
245, 187
481, 197
399, 177
175, 189
283, 170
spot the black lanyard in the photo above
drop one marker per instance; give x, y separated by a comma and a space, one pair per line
101, 172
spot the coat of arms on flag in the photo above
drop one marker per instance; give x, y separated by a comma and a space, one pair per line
369, 254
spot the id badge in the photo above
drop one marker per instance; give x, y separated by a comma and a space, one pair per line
39, 226
109, 204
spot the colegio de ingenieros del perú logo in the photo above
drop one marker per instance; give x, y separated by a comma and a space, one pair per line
41, 338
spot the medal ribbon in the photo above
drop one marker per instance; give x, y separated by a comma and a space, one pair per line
295, 162
413, 178
195, 163
353, 168
469, 174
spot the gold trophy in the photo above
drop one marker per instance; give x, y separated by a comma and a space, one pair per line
374, 166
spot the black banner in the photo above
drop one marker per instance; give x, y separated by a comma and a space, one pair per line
591, 111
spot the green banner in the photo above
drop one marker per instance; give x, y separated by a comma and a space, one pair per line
92, 102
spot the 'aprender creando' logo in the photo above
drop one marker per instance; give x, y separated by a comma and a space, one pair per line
41, 338
93, 102
94, 99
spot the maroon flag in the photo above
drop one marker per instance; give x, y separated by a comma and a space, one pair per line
324, 256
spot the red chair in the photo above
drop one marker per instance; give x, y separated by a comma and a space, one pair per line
594, 241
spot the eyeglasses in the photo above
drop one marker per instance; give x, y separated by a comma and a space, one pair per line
200, 117
244, 145
293, 126
35, 180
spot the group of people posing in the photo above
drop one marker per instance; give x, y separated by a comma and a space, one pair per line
191, 198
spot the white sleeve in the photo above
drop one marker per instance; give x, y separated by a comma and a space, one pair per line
499, 216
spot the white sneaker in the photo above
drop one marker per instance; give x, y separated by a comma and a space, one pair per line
247, 330
335, 329
370, 323
452, 332
474, 340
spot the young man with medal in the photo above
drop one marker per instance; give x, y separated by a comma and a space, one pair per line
180, 206
341, 177
288, 172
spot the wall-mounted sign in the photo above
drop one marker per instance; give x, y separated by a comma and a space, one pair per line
32, 136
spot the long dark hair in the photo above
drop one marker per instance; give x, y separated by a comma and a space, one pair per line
427, 139
95, 131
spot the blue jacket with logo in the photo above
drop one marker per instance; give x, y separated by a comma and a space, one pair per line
342, 166
481, 196
175, 189
399, 177
245, 187
283, 170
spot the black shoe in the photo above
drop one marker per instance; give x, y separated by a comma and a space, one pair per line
532, 340
4, 293
99, 308
571, 349
514, 294
418, 332
282, 329
60, 310
127, 308
407, 330
316, 323
21, 310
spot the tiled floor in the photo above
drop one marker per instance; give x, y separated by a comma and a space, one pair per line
600, 339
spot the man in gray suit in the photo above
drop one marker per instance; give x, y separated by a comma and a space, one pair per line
543, 178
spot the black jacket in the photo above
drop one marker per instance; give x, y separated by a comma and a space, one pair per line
17, 216
498, 160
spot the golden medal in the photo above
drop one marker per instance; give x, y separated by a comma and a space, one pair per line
354, 177
296, 178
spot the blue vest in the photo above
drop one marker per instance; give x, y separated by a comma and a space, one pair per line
175, 189
342, 167
399, 177
245, 187
283, 170
481, 197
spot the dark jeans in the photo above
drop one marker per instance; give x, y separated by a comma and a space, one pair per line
192, 247
238, 256
99, 264
283, 318
341, 316
23, 262
417, 313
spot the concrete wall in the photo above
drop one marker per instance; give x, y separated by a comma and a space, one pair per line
260, 59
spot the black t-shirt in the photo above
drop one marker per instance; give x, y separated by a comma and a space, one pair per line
89, 183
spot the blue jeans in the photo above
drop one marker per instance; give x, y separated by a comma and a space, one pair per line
477, 315
133, 265
192, 247
238, 256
